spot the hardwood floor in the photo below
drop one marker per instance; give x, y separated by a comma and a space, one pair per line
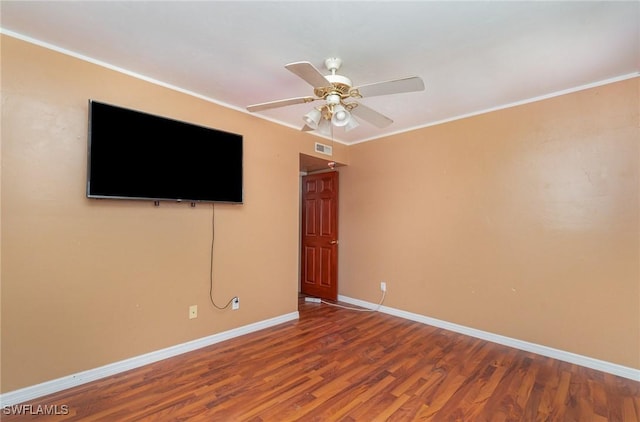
340, 365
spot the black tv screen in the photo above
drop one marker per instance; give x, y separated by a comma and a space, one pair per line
135, 155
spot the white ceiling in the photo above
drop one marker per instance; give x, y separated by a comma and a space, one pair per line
473, 56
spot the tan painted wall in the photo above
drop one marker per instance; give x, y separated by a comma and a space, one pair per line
521, 222
90, 282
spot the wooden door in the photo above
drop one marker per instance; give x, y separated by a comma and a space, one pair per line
319, 255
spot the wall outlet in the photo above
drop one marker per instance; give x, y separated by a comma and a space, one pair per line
193, 311
383, 286
236, 303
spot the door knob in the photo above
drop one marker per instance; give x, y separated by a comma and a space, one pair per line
334, 242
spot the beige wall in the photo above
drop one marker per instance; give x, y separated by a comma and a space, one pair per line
521, 222
90, 282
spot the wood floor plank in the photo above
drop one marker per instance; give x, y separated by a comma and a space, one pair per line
340, 365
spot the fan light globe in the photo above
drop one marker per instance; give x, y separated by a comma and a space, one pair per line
324, 128
353, 123
312, 118
340, 116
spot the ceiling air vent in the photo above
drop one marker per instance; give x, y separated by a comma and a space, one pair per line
324, 149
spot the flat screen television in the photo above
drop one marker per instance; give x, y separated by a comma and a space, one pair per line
135, 155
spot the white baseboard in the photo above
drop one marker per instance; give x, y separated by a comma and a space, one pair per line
600, 365
49, 387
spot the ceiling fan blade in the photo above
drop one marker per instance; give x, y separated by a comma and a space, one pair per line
371, 116
280, 103
307, 128
396, 86
309, 73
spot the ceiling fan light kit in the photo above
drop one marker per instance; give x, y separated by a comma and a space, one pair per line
335, 90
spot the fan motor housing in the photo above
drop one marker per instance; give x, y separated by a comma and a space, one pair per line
340, 85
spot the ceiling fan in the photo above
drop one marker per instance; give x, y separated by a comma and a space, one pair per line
339, 95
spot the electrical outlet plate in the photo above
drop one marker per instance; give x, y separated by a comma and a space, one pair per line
383, 286
236, 303
193, 311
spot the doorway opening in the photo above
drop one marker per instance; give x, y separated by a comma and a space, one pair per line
318, 228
